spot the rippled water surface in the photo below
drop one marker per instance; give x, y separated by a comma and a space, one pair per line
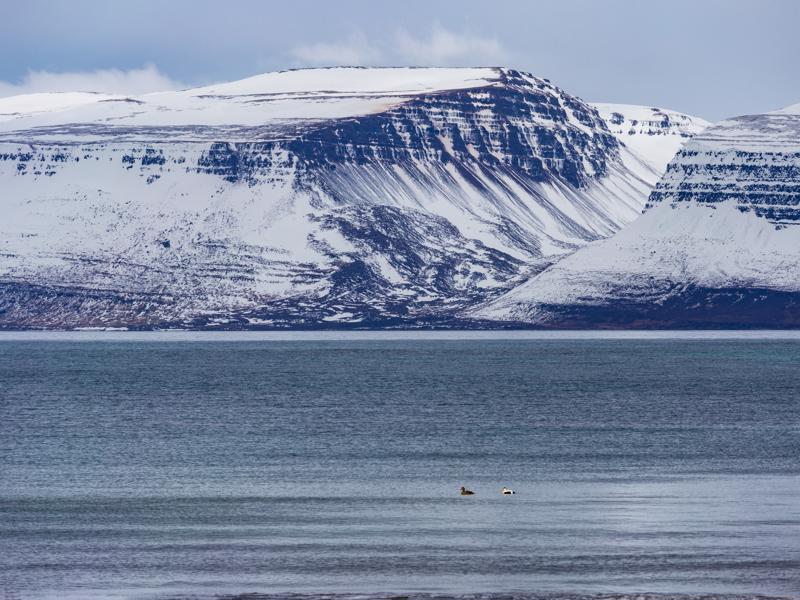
136, 466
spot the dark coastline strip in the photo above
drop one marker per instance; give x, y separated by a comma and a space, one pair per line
486, 596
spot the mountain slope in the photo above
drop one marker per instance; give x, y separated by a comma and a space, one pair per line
719, 245
352, 196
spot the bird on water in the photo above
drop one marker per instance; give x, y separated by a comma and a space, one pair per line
466, 492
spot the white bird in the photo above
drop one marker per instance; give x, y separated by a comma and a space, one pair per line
507, 491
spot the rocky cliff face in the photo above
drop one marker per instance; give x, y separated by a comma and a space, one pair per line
719, 245
752, 162
339, 196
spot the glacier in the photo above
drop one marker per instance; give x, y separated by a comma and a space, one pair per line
378, 197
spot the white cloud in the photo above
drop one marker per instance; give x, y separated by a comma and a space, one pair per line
112, 81
445, 47
354, 51
441, 47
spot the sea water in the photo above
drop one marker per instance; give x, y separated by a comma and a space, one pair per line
199, 465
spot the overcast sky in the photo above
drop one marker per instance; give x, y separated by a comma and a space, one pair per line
711, 58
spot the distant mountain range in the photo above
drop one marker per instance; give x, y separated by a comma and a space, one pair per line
397, 197
654, 135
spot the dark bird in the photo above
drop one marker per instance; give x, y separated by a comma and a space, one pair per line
466, 492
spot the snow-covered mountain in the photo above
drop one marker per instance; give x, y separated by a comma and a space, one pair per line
653, 134
346, 195
719, 245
